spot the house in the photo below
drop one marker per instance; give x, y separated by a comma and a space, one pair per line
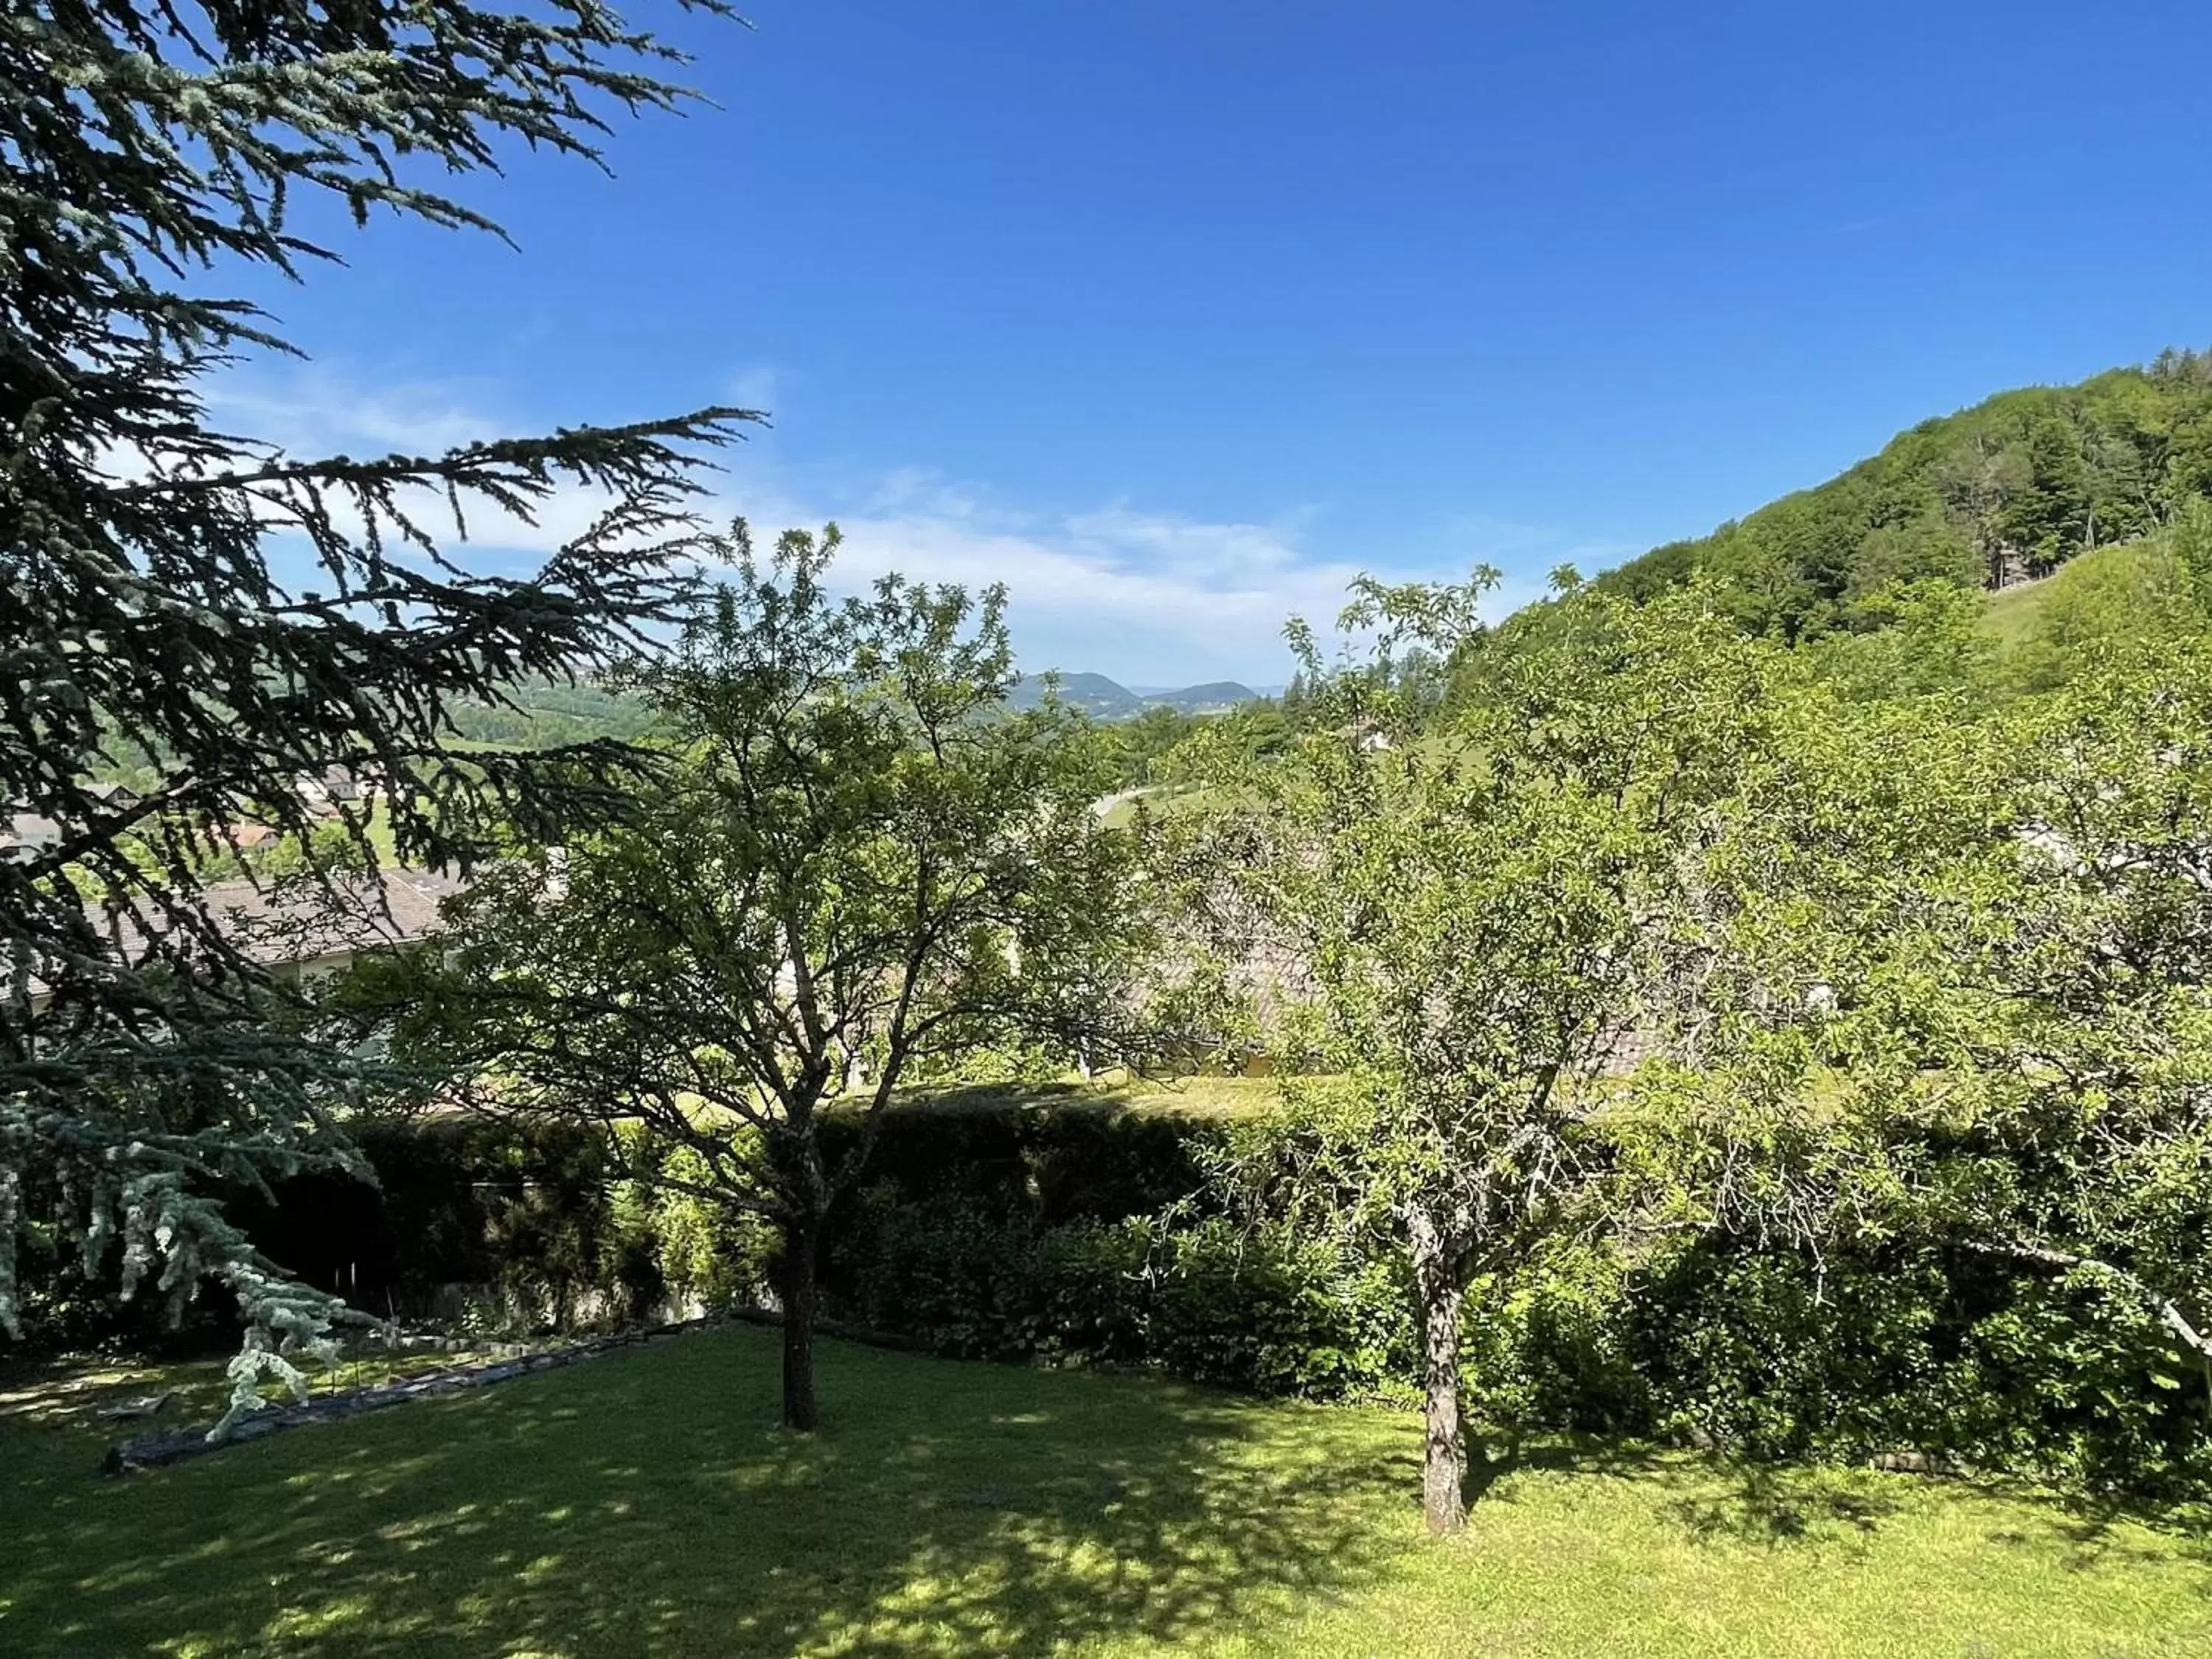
119, 796
305, 933
333, 788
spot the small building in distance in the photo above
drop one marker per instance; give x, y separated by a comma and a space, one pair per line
121, 797
335, 787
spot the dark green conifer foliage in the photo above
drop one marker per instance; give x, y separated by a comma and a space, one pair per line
148, 152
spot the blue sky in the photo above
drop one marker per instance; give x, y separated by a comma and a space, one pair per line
1174, 315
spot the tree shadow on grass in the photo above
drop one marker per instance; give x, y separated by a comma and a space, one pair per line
2104, 1527
1720, 1500
1768, 1505
647, 1504
1725, 1499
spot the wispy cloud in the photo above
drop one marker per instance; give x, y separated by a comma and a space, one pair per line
762, 387
1145, 593
1153, 595
313, 411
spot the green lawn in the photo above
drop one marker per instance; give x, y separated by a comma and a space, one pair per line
646, 1505
1115, 1094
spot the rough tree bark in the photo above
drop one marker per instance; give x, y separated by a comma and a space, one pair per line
801, 1249
1438, 1284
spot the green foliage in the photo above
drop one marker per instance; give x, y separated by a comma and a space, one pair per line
2101, 605
1147, 745
1266, 1310
1547, 1345
1912, 1346
2014, 487
148, 157
1908, 639
2002, 913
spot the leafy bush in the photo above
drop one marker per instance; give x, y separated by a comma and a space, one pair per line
1915, 1348
1262, 1310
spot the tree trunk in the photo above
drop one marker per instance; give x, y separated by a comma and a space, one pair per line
1443, 1464
800, 1251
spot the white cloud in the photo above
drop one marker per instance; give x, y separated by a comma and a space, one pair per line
1149, 595
1144, 594
314, 412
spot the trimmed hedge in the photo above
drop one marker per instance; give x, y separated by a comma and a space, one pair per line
1076, 1236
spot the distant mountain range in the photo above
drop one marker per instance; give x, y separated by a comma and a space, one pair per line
547, 713
1109, 699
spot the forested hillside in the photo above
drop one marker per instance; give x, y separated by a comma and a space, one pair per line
1094, 694
1109, 699
2007, 490
546, 713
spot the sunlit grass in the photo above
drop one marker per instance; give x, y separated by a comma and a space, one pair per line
2011, 612
647, 1505
1206, 1095
72, 1394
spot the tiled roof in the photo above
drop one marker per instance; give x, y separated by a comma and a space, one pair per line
290, 921
296, 925
296, 921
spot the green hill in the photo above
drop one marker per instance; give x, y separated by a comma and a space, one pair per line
546, 713
2006, 491
554, 712
1109, 699
1094, 694
1214, 697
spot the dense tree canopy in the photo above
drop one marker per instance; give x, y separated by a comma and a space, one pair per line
2008, 914
1470, 921
1998, 898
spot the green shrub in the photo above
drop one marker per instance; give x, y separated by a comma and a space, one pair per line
1915, 1348
1270, 1311
1262, 1310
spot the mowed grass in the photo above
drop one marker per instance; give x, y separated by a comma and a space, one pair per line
647, 1504
1113, 1095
